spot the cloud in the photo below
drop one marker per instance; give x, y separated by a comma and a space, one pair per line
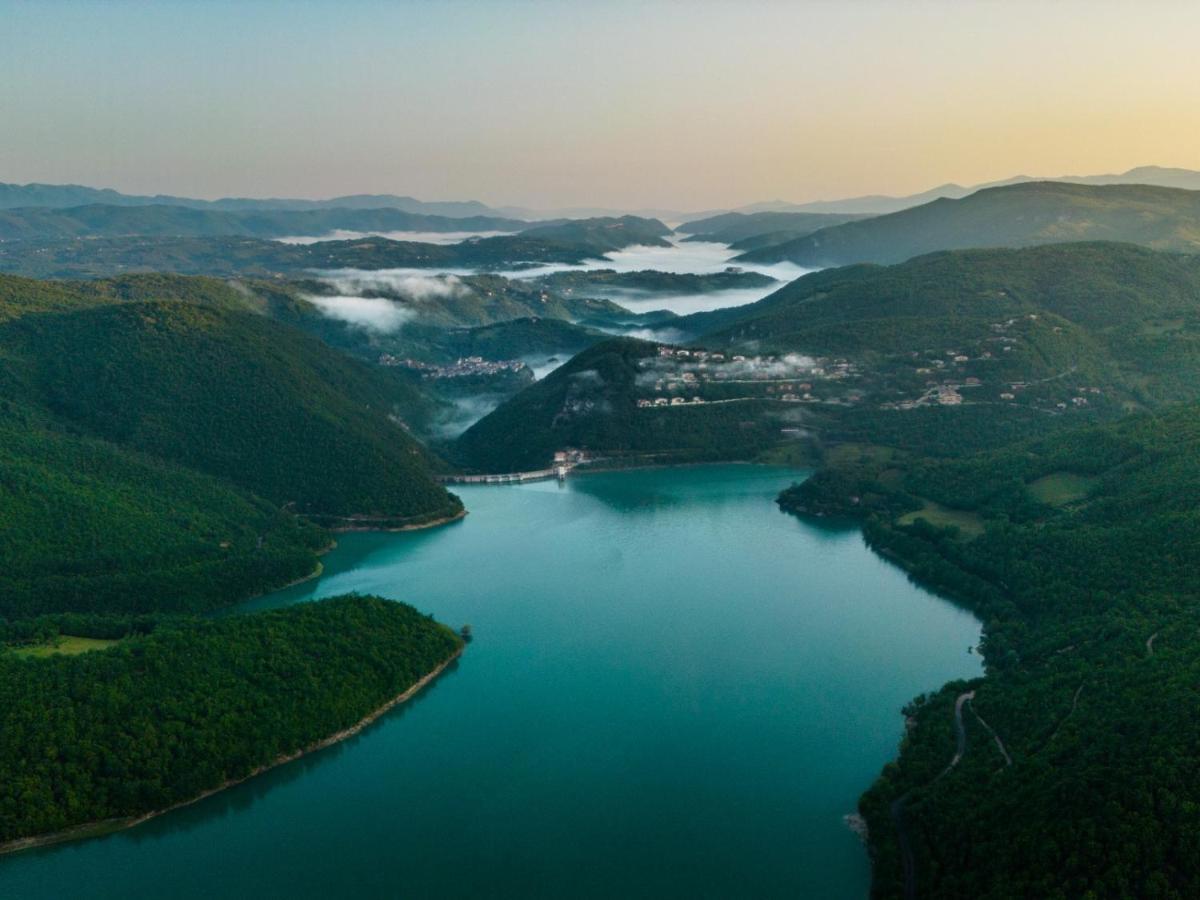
372, 313
792, 365
405, 284
465, 412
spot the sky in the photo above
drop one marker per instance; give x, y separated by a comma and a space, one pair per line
679, 105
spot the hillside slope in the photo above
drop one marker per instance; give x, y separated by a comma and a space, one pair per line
1121, 315
92, 527
1014, 216
591, 403
233, 394
733, 227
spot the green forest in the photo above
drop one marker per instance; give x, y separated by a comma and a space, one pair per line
180, 706
1080, 552
166, 449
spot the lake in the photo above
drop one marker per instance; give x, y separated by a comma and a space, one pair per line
674, 690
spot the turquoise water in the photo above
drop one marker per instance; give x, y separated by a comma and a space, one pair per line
675, 690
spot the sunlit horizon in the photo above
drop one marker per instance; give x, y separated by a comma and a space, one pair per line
711, 105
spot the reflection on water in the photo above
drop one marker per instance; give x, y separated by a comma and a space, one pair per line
675, 690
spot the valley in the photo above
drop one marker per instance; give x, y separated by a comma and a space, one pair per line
324, 414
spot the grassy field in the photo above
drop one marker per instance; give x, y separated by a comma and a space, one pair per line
968, 523
65, 645
1061, 488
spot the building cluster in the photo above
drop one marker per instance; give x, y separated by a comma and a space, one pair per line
466, 365
571, 457
678, 373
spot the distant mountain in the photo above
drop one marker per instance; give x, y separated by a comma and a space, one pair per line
591, 402
61, 196
100, 220
878, 204
1013, 216
1101, 284
99, 257
735, 227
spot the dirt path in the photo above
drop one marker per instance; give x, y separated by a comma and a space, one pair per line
1063, 721
995, 737
1150, 644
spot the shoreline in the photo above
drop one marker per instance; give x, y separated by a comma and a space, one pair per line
108, 826
642, 467
415, 526
593, 468
315, 573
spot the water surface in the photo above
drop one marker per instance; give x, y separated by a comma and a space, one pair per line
675, 690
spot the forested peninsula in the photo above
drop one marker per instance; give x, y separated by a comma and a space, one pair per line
176, 707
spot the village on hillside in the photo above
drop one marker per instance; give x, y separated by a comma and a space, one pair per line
682, 377
465, 366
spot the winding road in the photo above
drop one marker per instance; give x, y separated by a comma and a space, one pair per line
897, 809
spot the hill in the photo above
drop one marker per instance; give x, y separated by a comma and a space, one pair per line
454, 301
231, 393
1014, 216
591, 403
1118, 312
93, 527
734, 227
153, 456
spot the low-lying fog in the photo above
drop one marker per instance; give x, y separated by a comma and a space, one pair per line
683, 257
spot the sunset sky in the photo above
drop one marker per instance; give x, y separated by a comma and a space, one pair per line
683, 105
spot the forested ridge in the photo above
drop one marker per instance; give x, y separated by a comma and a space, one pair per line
160, 438
1080, 551
91, 527
230, 393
